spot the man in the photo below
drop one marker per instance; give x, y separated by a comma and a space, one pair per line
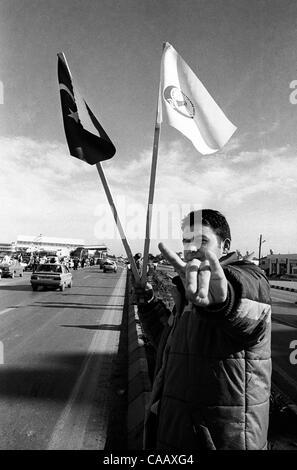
213, 369
138, 262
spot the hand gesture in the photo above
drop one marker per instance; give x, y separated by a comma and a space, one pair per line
143, 294
204, 279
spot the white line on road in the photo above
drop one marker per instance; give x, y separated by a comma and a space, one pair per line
70, 430
7, 310
22, 304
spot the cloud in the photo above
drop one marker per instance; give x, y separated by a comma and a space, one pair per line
270, 130
40, 186
44, 190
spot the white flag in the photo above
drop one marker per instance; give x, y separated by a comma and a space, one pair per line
189, 107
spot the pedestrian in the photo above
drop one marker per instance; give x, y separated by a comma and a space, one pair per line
138, 262
212, 377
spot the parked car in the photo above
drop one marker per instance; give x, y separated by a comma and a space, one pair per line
110, 265
11, 269
55, 275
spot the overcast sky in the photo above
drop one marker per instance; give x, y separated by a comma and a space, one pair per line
244, 52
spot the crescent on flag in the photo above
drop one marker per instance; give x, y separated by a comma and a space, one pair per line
64, 87
86, 138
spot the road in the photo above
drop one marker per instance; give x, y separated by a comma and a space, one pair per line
284, 333
58, 354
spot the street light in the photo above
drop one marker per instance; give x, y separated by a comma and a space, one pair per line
260, 245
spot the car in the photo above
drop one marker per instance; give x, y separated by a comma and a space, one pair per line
54, 275
100, 262
11, 269
109, 265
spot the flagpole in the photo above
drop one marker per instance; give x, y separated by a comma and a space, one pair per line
117, 221
152, 185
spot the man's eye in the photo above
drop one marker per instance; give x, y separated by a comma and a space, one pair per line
204, 242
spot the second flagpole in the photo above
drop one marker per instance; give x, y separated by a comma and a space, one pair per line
152, 184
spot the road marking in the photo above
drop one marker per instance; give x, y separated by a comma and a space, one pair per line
70, 429
24, 304
7, 310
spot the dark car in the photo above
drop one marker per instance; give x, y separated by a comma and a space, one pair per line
100, 262
12, 269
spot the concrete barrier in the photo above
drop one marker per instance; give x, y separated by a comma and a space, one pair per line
139, 385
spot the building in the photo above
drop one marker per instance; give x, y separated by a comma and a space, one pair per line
90, 251
279, 264
7, 248
51, 245
55, 246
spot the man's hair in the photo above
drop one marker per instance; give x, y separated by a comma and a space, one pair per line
211, 218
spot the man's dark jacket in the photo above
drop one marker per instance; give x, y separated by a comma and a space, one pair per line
213, 367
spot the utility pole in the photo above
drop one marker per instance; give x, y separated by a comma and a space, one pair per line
260, 245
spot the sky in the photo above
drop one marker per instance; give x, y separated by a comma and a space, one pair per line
245, 54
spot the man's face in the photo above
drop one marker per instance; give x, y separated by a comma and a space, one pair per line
201, 239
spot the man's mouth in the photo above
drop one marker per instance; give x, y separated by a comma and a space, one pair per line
199, 254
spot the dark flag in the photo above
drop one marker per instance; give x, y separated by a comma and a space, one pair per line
82, 143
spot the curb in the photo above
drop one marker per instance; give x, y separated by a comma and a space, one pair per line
139, 385
283, 288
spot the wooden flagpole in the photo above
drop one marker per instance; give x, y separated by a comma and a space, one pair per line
152, 186
117, 221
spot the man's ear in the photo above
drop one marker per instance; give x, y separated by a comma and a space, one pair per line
226, 245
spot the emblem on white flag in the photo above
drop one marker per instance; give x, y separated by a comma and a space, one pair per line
189, 107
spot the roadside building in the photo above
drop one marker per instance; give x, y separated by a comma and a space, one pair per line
96, 252
49, 245
279, 264
7, 248
28, 245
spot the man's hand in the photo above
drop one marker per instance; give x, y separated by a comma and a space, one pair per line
143, 294
204, 279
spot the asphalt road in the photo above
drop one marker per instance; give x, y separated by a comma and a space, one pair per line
58, 353
284, 333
